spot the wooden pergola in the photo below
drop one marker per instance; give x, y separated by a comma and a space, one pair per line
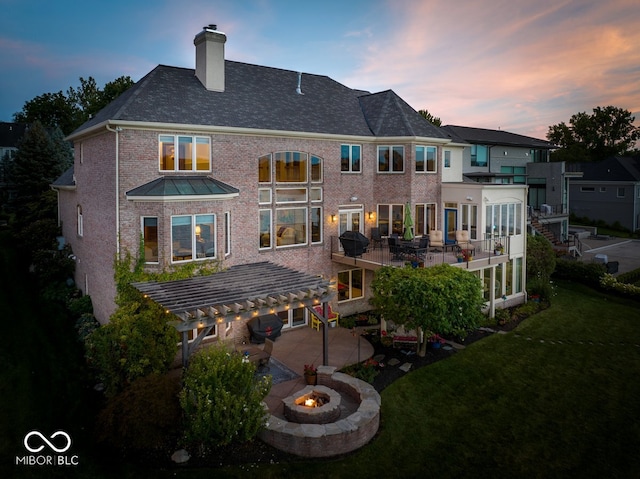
240, 292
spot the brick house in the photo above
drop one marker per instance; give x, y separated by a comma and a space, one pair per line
250, 164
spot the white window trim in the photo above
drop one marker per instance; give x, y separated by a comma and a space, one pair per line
350, 271
265, 190
275, 227
80, 221
350, 171
435, 162
194, 165
270, 211
284, 190
142, 218
391, 171
194, 254
227, 233
321, 225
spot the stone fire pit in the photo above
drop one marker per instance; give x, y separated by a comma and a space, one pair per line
337, 436
325, 407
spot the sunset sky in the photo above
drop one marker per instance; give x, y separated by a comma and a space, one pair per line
517, 65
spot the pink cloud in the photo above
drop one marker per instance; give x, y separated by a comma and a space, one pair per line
519, 65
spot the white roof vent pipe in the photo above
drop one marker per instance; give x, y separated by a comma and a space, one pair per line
299, 88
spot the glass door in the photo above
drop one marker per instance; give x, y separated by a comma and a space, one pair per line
450, 225
350, 220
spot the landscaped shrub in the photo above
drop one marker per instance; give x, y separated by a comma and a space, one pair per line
144, 417
136, 342
586, 273
609, 283
366, 371
222, 399
631, 277
85, 325
80, 305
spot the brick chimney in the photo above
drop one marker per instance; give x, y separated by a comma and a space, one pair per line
210, 57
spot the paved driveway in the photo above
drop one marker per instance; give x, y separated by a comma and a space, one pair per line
625, 251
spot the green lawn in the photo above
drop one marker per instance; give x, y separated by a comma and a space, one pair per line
558, 397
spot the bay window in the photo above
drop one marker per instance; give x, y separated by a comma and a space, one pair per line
193, 237
150, 239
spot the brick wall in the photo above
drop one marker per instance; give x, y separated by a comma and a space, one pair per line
235, 162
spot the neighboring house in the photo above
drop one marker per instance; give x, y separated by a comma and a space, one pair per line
609, 190
497, 156
10, 136
248, 165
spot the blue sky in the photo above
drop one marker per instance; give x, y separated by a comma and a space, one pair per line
518, 65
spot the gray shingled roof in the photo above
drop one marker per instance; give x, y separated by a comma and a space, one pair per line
259, 97
389, 115
182, 186
615, 168
66, 179
482, 136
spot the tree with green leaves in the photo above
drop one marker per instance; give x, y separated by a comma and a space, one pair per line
434, 120
609, 131
69, 111
222, 398
541, 263
442, 299
137, 341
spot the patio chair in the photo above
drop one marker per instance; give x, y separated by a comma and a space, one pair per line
436, 239
463, 241
262, 358
395, 248
423, 247
332, 317
376, 237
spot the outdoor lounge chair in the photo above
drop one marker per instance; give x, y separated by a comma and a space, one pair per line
436, 239
463, 241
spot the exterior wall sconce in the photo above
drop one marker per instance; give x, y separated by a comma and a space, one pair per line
371, 215
333, 218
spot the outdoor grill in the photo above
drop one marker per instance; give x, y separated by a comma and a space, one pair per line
354, 243
262, 327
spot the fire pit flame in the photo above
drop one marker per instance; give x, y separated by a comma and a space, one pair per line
310, 402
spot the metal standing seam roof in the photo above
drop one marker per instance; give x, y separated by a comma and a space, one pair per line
247, 288
176, 186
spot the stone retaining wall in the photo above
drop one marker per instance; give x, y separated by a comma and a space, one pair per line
342, 436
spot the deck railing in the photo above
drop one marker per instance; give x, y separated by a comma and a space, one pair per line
452, 253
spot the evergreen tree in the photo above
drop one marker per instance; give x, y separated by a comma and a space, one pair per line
40, 159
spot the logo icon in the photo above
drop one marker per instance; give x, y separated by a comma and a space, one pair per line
47, 441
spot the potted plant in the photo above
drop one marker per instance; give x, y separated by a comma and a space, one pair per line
498, 249
310, 374
460, 257
467, 255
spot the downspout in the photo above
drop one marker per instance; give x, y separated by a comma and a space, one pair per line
117, 131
